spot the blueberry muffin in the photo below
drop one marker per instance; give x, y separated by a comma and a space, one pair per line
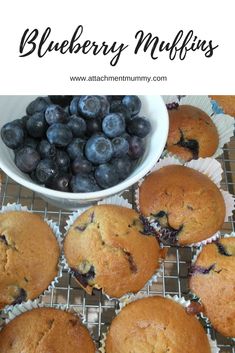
188, 206
192, 133
111, 247
227, 103
156, 324
29, 255
46, 330
212, 280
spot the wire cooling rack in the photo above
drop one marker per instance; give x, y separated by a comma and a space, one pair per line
97, 310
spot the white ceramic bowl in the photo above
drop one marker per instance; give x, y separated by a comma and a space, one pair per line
153, 107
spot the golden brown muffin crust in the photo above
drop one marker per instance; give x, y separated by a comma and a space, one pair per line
191, 202
45, 330
29, 255
227, 103
216, 288
188, 123
156, 324
106, 246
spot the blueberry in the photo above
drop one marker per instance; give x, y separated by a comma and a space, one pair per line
120, 146
110, 99
27, 159
63, 101
46, 150
62, 160
147, 228
169, 235
23, 121
106, 176
36, 125
89, 106
83, 183
171, 106
74, 105
192, 145
136, 147
46, 170
222, 250
98, 149
67, 110
19, 122
113, 125
132, 103
126, 136
139, 127
201, 270
60, 182
3, 240
31, 142
116, 97
21, 297
118, 107
105, 106
59, 134
37, 106
12, 135
55, 114
123, 166
77, 125
33, 176
81, 165
84, 278
76, 148
93, 125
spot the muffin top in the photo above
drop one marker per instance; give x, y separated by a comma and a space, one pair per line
156, 324
213, 281
45, 330
192, 133
226, 102
29, 255
108, 247
186, 203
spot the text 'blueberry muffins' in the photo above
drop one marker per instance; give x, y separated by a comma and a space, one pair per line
156, 324
45, 330
29, 255
108, 247
213, 281
192, 133
186, 203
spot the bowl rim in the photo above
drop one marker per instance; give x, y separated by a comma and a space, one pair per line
120, 187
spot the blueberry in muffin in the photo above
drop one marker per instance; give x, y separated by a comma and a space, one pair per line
29, 256
192, 133
187, 205
212, 280
109, 247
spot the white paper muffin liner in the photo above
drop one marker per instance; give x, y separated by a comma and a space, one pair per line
118, 201
13, 311
208, 166
182, 301
18, 309
55, 229
224, 123
194, 259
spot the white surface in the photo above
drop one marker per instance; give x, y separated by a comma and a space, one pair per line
13, 107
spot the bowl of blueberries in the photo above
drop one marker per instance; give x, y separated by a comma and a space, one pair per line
75, 150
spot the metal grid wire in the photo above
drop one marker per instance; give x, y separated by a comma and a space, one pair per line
97, 310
